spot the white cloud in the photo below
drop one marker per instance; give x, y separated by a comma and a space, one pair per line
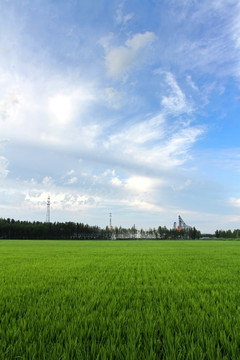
61, 108
65, 106
70, 172
3, 167
107, 172
120, 59
177, 148
175, 103
47, 181
191, 83
50, 115
143, 205
234, 202
72, 180
235, 32
155, 143
59, 200
114, 97
62, 120
182, 186
218, 48
8, 105
121, 18
142, 132
116, 181
140, 183
37, 199
30, 182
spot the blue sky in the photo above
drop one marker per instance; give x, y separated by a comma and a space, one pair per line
126, 107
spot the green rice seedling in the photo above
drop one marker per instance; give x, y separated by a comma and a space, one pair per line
119, 300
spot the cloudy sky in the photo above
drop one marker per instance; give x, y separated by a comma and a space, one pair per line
129, 107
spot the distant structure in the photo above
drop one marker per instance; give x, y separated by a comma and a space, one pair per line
48, 210
111, 227
181, 224
110, 221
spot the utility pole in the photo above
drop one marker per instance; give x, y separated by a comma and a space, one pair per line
48, 210
110, 221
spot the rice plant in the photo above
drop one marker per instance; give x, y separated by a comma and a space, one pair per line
119, 300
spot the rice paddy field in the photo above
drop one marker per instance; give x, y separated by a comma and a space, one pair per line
119, 300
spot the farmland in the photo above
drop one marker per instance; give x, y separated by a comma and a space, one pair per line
119, 299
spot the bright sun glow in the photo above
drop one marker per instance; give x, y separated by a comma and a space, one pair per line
140, 183
61, 107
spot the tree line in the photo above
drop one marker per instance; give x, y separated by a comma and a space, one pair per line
16, 229
227, 234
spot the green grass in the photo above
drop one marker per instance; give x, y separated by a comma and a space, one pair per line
119, 300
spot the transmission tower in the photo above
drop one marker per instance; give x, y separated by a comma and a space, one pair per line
48, 210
